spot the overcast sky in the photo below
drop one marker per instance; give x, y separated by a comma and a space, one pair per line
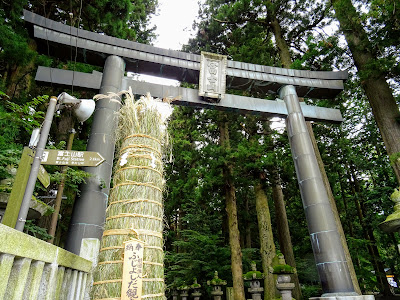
174, 22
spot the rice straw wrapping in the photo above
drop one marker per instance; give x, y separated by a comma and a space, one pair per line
135, 204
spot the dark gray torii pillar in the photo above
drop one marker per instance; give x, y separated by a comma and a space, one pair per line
325, 240
88, 216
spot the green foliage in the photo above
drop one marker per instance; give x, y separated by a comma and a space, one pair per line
319, 54
200, 255
74, 178
309, 291
120, 18
26, 115
8, 157
16, 124
14, 48
76, 66
32, 229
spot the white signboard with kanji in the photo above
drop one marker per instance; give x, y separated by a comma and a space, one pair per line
212, 83
132, 270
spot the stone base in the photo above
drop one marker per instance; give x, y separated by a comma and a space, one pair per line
344, 297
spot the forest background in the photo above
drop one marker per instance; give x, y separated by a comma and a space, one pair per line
232, 195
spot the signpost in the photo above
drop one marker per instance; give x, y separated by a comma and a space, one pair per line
50, 157
71, 158
44, 177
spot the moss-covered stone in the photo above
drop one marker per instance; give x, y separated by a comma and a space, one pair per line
36, 207
283, 269
20, 244
253, 274
216, 280
33, 282
17, 279
392, 222
6, 262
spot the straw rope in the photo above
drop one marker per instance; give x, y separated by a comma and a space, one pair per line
107, 281
141, 146
138, 167
111, 262
127, 201
126, 215
154, 247
147, 184
111, 248
143, 135
118, 232
149, 232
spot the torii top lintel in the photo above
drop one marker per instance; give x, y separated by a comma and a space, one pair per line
93, 48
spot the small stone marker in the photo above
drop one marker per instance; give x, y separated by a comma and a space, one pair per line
132, 270
71, 158
229, 293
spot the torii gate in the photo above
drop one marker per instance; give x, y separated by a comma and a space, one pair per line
121, 55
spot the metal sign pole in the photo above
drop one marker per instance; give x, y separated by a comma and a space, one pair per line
30, 186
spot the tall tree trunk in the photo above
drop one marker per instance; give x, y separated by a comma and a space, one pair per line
267, 246
369, 236
285, 241
373, 80
283, 47
19, 77
286, 60
231, 210
345, 203
248, 225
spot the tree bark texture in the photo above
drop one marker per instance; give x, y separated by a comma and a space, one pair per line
248, 226
373, 80
267, 246
231, 210
369, 236
281, 43
18, 79
285, 241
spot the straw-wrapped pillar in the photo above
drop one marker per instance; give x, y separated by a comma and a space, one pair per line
136, 206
